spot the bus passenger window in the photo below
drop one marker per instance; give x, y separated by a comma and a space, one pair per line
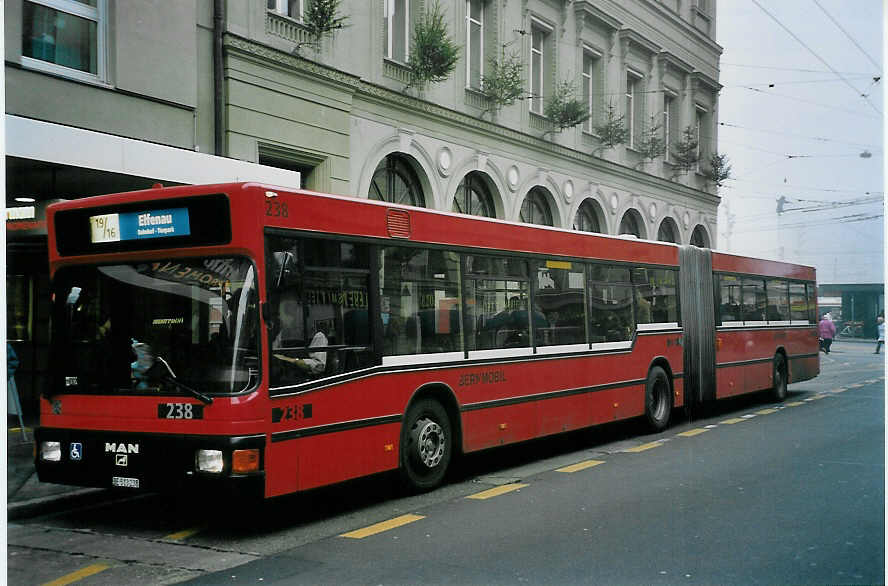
611, 317
420, 301
318, 297
778, 300
559, 306
656, 295
497, 303
798, 303
755, 301
729, 305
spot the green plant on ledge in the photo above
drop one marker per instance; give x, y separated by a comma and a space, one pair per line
321, 18
433, 54
651, 144
612, 131
563, 109
685, 153
503, 86
718, 171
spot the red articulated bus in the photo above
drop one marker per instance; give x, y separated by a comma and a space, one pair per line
247, 338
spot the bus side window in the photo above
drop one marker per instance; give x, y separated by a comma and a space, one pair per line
611, 316
755, 300
729, 304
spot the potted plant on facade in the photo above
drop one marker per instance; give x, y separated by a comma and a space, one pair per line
718, 170
651, 144
563, 109
321, 18
503, 85
685, 152
612, 131
433, 53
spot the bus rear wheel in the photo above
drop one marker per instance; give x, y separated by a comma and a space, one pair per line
426, 445
779, 391
657, 399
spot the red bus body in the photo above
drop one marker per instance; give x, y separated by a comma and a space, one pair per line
351, 424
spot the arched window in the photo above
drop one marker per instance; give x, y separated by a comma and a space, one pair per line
668, 231
632, 224
699, 237
587, 219
473, 198
535, 208
395, 181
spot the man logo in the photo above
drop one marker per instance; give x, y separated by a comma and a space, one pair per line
120, 459
121, 448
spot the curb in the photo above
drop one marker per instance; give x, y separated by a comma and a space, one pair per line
50, 504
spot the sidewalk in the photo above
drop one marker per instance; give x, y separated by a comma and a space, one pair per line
25, 495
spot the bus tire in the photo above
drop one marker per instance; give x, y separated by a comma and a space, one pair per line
426, 445
657, 399
779, 391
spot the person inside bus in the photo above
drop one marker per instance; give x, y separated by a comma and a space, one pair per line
316, 362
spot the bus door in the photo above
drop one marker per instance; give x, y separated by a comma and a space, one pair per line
698, 322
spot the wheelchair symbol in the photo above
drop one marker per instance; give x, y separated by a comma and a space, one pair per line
76, 451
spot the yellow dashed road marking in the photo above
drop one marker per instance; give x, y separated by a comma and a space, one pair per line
816, 397
693, 432
183, 534
490, 493
78, 575
794, 404
580, 466
644, 447
766, 411
382, 526
733, 420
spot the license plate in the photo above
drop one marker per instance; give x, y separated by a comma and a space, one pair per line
124, 482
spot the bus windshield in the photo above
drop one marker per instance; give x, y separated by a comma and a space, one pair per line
111, 324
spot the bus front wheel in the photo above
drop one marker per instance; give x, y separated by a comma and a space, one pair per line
657, 399
778, 392
426, 445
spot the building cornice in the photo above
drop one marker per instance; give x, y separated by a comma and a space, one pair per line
408, 104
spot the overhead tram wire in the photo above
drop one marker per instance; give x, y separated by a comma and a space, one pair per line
819, 58
847, 34
799, 136
771, 67
804, 101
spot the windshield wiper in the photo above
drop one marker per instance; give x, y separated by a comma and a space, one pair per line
162, 371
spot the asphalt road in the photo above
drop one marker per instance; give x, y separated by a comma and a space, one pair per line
752, 493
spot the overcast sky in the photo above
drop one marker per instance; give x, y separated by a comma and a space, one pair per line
803, 136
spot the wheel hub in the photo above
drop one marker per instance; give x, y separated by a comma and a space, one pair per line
429, 441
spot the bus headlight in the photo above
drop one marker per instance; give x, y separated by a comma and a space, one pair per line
209, 461
51, 451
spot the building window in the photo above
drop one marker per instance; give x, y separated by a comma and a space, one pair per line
670, 122
632, 224
668, 231
535, 208
539, 37
702, 134
473, 197
395, 181
65, 37
397, 33
591, 86
634, 103
292, 8
474, 43
699, 237
587, 219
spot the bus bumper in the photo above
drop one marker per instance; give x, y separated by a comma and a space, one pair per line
146, 462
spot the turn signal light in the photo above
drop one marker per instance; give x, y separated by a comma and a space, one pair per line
243, 461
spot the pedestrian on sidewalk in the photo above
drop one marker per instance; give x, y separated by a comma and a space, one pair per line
827, 332
13, 404
880, 321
